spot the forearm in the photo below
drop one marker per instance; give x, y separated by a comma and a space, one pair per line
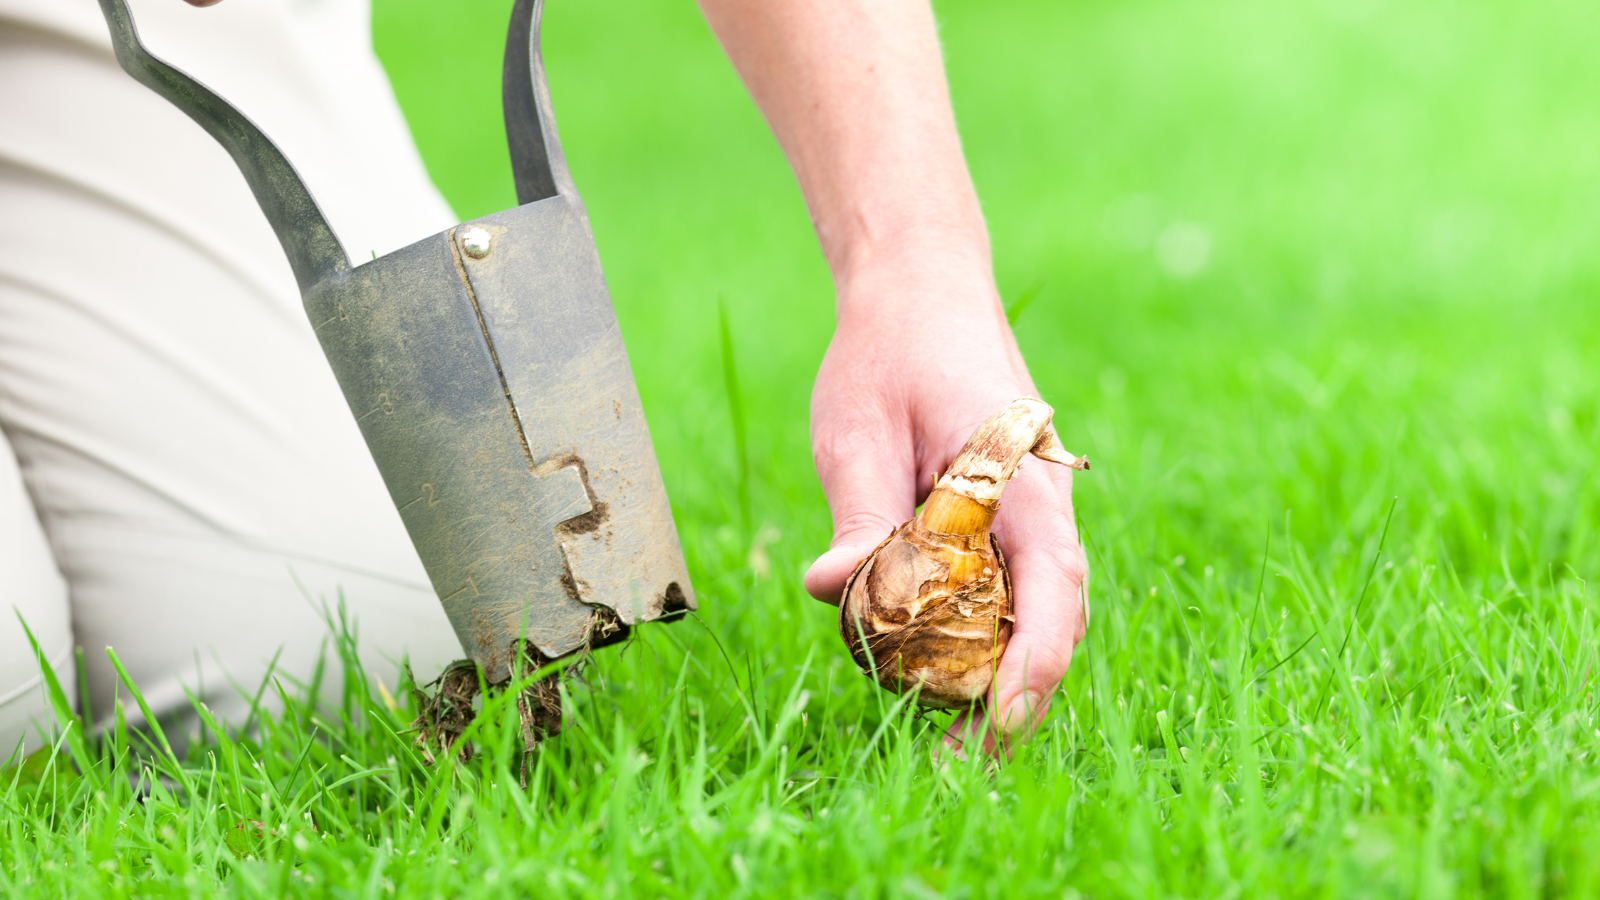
855, 92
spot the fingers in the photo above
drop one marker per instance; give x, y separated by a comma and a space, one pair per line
1048, 580
865, 464
1048, 577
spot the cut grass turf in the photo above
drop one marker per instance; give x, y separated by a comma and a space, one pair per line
1318, 297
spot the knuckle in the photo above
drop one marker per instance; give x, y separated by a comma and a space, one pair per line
860, 431
1058, 559
866, 524
1047, 661
1074, 567
1068, 558
1047, 642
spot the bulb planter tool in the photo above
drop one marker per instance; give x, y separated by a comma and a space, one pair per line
487, 373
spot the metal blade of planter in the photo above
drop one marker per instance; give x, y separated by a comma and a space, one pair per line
487, 373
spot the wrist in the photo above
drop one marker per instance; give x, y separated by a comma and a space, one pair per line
920, 282
868, 244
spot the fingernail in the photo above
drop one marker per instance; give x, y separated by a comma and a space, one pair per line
1020, 715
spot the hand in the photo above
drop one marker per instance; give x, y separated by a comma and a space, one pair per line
921, 356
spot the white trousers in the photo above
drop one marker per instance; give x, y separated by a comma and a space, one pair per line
180, 477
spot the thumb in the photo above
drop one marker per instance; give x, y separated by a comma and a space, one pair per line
871, 490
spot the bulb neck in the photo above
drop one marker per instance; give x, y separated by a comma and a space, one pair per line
948, 512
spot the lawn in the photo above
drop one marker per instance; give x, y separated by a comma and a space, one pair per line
1313, 286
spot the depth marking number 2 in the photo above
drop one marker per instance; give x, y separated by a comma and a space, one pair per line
428, 496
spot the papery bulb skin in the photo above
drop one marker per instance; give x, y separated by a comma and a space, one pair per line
931, 607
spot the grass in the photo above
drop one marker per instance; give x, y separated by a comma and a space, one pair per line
1314, 285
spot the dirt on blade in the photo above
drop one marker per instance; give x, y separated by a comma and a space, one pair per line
447, 706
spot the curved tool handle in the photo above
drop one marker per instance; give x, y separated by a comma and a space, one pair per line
536, 161
314, 252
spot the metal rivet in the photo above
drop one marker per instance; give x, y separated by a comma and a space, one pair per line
475, 242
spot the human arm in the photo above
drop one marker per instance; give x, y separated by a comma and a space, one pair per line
855, 93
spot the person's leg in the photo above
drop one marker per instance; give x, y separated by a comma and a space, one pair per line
32, 592
199, 477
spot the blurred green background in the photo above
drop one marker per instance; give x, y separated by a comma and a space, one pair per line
1293, 256
1299, 265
